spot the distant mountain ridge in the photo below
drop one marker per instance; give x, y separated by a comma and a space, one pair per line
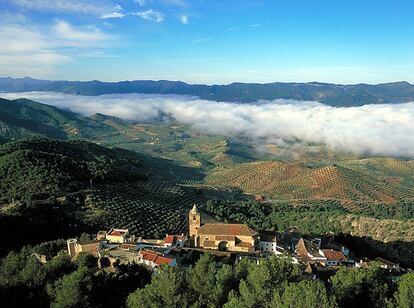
330, 94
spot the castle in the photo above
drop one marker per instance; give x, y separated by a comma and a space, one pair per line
221, 236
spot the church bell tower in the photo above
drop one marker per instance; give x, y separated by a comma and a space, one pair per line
194, 223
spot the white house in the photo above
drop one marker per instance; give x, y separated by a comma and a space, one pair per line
154, 259
268, 243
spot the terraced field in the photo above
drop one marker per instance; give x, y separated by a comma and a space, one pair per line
349, 180
148, 208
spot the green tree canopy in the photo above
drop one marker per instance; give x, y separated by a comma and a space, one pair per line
405, 294
311, 294
166, 290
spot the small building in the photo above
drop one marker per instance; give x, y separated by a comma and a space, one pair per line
333, 258
268, 243
101, 235
308, 251
117, 236
40, 257
174, 240
384, 263
154, 259
259, 198
75, 247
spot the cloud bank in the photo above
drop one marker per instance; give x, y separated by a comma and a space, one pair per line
370, 129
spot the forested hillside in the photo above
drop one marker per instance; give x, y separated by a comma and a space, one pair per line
75, 186
23, 118
45, 167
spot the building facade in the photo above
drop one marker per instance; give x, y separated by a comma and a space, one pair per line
220, 236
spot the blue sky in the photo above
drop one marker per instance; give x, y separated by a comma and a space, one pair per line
209, 41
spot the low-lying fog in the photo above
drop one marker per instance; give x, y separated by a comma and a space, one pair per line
370, 129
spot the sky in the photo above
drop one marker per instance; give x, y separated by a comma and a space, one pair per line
209, 41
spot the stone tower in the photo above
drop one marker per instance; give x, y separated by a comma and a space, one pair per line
194, 223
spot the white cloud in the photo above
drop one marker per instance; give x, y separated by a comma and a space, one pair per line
141, 2
184, 19
371, 129
85, 37
113, 15
90, 7
202, 39
150, 15
28, 49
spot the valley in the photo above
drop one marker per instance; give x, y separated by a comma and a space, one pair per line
105, 171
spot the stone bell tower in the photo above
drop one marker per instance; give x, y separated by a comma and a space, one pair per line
194, 223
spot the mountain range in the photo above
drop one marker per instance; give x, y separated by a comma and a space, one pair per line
330, 94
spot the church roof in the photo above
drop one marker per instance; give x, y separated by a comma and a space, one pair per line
226, 229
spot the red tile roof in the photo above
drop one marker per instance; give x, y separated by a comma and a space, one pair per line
226, 229
169, 239
333, 255
172, 239
117, 233
155, 258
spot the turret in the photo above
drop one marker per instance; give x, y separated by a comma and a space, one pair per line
194, 223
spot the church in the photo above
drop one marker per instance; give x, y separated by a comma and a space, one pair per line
221, 236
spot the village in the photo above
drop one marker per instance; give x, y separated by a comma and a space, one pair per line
227, 243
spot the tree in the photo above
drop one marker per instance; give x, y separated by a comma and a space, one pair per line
225, 282
262, 281
85, 259
33, 274
347, 285
202, 279
59, 266
303, 294
405, 293
255, 290
166, 290
360, 287
72, 290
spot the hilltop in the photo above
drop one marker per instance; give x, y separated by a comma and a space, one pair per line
330, 94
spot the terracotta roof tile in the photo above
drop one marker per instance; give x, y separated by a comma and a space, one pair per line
155, 258
333, 255
173, 239
117, 233
227, 229
169, 239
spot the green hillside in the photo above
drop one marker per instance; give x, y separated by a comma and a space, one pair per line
354, 181
22, 118
40, 166
72, 187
